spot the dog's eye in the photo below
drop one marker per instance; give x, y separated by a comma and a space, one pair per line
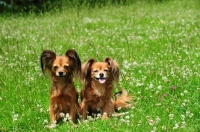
105, 70
66, 67
95, 71
55, 67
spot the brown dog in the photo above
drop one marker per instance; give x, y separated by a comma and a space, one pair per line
98, 78
63, 95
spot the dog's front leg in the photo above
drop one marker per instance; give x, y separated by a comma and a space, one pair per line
84, 109
107, 110
72, 113
52, 114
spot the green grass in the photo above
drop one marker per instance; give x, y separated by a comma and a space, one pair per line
157, 46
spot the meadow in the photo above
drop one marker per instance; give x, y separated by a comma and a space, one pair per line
156, 44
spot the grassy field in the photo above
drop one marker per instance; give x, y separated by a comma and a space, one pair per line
157, 46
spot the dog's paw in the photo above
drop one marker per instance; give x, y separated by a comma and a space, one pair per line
105, 116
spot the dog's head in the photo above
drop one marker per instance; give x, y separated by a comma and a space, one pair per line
61, 66
100, 71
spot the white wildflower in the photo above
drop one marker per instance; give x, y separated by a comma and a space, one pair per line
41, 109
62, 114
159, 87
164, 128
183, 104
151, 122
157, 119
176, 126
67, 115
119, 108
127, 117
98, 115
45, 122
191, 115
183, 117
15, 117
183, 125
151, 85
185, 91
171, 116
182, 94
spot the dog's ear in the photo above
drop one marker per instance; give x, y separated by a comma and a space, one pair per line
114, 68
86, 70
76, 62
46, 60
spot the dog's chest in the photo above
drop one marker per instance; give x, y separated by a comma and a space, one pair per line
99, 91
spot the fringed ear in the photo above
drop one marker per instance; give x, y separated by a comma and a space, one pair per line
76, 62
86, 70
46, 60
114, 68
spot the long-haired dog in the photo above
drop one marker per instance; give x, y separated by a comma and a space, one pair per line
98, 78
63, 95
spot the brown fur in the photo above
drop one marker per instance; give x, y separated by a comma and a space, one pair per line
98, 78
63, 95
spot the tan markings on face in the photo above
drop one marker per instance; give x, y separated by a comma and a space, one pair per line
100, 71
61, 66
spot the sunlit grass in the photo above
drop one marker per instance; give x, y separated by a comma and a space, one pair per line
156, 46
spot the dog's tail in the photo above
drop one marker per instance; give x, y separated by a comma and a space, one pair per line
122, 101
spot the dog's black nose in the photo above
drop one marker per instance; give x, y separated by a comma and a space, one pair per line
101, 75
60, 73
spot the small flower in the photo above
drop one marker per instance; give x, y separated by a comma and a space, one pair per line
191, 115
183, 104
119, 108
158, 104
157, 119
171, 116
127, 78
164, 78
183, 125
147, 117
173, 87
159, 87
182, 94
151, 85
65, 119
15, 117
165, 95
98, 109
185, 91
62, 114
164, 128
45, 122
98, 115
67, 115
127, 117
52, 126
41, 110
176, 126
187, 112
151, 122
183, 117
154, 129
